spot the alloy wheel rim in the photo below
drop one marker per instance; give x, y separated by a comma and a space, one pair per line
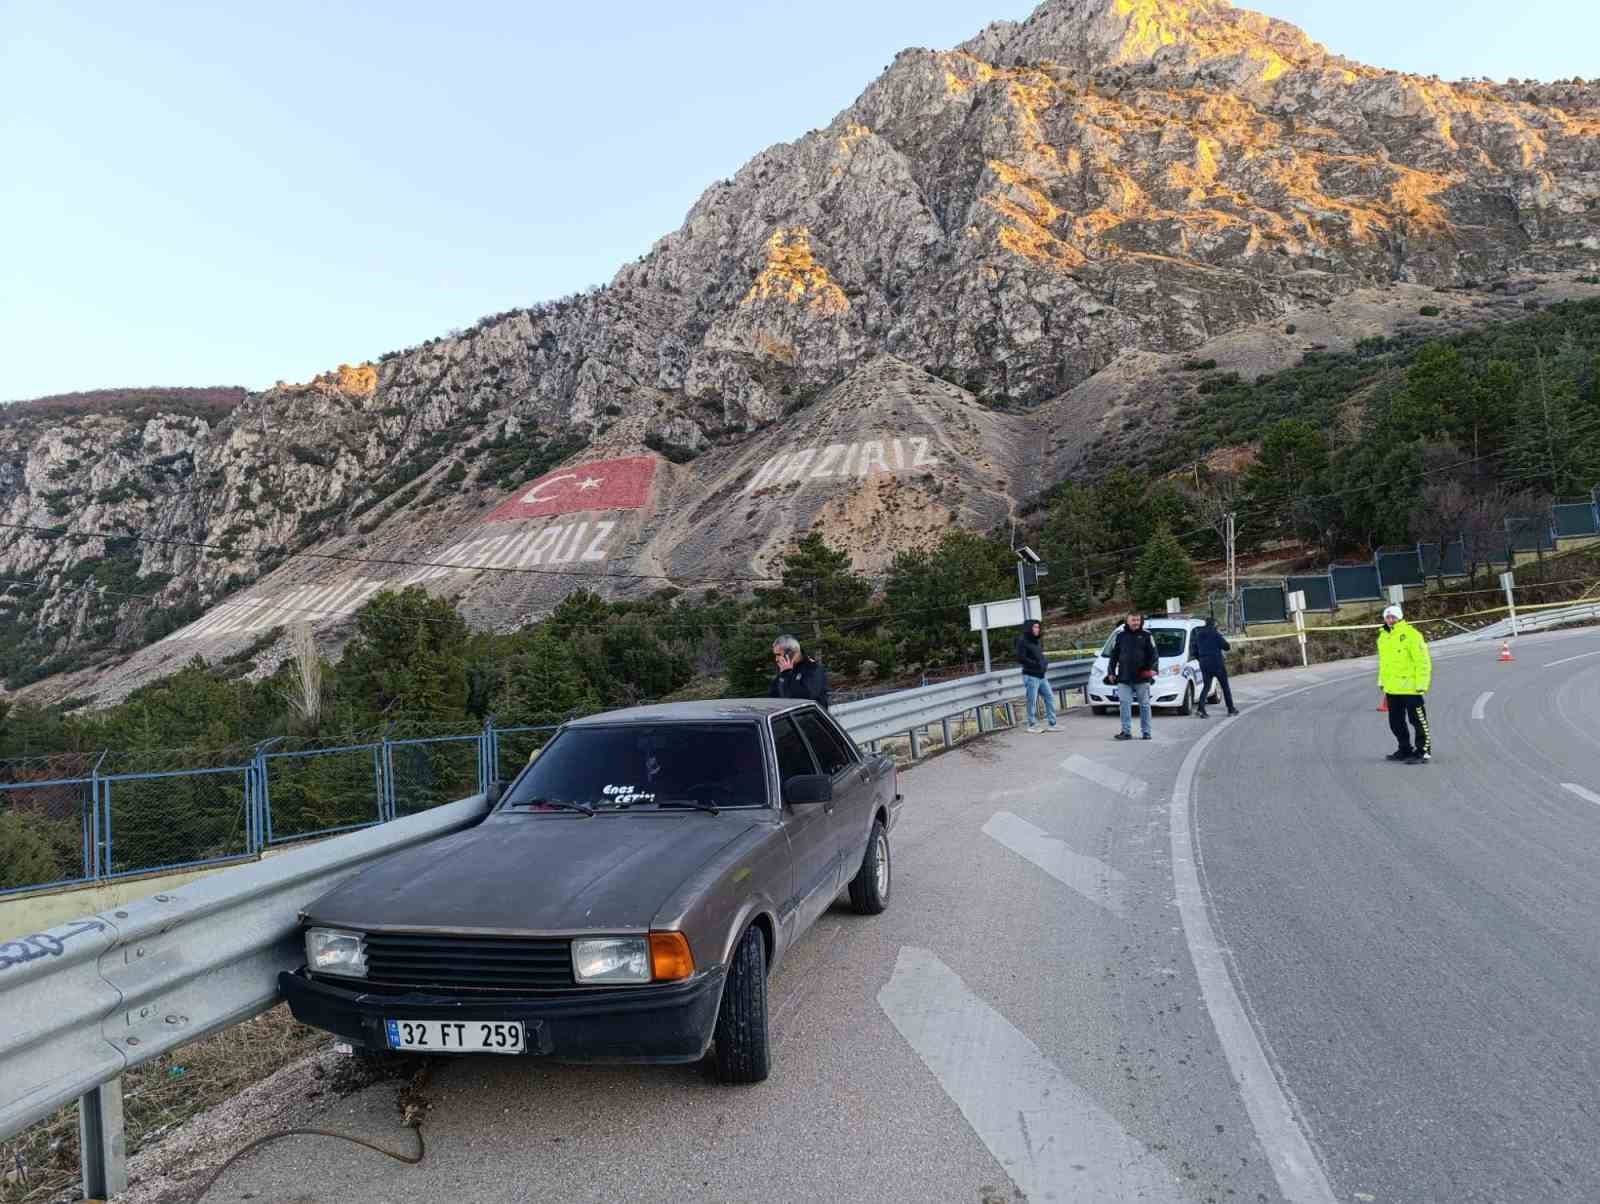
883, 867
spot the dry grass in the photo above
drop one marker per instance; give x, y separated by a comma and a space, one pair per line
41, 1163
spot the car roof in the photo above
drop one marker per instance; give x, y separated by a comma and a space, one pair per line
713, 709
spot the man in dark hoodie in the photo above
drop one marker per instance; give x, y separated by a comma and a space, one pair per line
1209, 645
798, 676
1134, 663
1030, 655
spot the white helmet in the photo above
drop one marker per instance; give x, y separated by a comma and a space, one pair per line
1393, 612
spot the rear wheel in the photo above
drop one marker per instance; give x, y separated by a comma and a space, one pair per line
741, 1054
869, 889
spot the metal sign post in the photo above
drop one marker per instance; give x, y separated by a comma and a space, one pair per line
983, 613
1297, 607
1508, 582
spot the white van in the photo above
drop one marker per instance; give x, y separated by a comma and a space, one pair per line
1178, 679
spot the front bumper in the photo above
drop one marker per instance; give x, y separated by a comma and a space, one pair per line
668, 1022
1106, 696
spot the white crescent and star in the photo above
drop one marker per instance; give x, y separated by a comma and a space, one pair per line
535, 495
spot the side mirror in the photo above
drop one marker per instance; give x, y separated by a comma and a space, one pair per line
808, 789
493, 793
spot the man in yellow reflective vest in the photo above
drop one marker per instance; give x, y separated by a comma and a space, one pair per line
1405, 671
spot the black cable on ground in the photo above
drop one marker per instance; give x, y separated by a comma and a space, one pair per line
408, 1159
413, 1108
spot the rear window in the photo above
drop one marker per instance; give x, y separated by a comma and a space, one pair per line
1170, 641
649, 765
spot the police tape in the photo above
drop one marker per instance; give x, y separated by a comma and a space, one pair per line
1522, 608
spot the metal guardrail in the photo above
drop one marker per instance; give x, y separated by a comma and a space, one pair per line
910, 712
1531, 620
90, 999
87, 1000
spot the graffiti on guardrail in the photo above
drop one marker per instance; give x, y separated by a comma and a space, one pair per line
40, 945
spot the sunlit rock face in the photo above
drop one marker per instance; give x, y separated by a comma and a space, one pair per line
1031, 220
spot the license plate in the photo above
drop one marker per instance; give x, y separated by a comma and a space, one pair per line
457, 1036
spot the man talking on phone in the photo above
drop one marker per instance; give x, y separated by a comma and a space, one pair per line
798, 676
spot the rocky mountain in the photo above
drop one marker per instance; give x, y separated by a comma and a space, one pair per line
970, 284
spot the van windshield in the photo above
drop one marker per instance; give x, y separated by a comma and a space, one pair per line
1170, 641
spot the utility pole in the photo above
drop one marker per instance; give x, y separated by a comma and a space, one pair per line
1233, 570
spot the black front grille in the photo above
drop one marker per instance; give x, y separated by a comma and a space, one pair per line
474, 963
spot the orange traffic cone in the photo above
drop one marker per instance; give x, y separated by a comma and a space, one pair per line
1383, 703
1505, 651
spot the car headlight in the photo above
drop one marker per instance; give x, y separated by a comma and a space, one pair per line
336, 951
611, 959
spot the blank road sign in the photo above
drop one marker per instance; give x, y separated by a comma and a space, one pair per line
1007, 613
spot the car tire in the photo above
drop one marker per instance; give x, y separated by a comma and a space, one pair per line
1104, 710
1186, 707
740, 1038
869, 889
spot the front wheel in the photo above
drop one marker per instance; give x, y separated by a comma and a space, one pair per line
741, 1034
1188, 700
869, 889
1104, 710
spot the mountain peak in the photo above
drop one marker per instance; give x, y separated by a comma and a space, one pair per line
1092, 35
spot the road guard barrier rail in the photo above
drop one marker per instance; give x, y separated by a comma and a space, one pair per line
90, 999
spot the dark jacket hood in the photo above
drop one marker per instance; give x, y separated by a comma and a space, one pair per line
521, 872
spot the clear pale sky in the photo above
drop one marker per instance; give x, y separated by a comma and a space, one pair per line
199, 194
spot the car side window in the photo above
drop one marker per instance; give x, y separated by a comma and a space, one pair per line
794, 758
831, 749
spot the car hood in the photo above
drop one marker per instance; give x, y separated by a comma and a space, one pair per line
535, 874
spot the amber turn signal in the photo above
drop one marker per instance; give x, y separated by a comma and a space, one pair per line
670, 958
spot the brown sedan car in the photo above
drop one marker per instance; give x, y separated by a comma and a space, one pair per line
624, 901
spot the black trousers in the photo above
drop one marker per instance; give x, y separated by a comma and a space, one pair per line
1210, 671
1414, 707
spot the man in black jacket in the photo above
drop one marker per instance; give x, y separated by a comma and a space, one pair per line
1209, 645
1030, 655
798, 676
1134, 662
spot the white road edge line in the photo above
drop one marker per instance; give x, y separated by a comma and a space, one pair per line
1483, 701
1046, 1132
1294, 1164
1581, 791
1089, 876
1579, 657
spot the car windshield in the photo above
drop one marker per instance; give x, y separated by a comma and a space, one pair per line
1169, 641
654, 765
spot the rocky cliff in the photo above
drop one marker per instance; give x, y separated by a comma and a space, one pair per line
920, 315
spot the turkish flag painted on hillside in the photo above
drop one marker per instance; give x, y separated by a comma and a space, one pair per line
603, 485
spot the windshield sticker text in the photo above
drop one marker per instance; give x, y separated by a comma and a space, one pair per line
627, 794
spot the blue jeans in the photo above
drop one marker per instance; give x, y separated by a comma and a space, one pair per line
1126, 693
1036, 686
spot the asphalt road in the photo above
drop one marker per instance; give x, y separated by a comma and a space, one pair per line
1246, 961
1420, 946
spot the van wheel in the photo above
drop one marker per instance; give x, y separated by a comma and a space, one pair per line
1187, 706
869, 889
741, 1054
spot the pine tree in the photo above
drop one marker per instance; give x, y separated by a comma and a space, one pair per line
1164, 571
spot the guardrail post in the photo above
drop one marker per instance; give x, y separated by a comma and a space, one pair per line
984, 722
102, 1144
488, 755
263, 796
916, 744
948, 742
